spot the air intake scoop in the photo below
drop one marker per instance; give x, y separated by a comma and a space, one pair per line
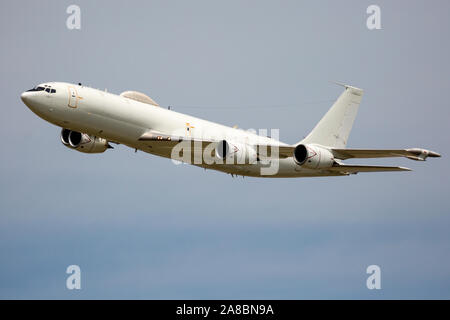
138, 96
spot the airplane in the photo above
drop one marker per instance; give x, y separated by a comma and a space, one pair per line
92, 119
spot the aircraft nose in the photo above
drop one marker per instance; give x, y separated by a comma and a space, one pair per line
25, 96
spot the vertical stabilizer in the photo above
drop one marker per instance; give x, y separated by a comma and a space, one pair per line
334, 128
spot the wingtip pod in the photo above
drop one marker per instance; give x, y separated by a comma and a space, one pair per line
419, 154
434, 154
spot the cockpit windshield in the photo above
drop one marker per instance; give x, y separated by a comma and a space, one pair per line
36, 89
46, 88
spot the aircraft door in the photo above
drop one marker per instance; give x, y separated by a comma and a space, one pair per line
73, 97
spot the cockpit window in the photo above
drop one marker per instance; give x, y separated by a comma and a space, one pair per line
45, 88
37, 89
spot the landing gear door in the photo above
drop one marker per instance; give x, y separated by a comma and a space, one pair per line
73, 97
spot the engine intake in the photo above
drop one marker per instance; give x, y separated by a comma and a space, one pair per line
83, 142
235, 153
222, 149
65, 136
313, 157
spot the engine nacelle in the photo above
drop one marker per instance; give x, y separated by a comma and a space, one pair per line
313, 157
235, 153
83, 142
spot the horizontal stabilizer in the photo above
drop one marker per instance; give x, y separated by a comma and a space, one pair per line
348, 169
413, 154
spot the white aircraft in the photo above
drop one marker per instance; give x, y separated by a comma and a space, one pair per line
92, 119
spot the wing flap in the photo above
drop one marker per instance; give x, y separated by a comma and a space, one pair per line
351, 169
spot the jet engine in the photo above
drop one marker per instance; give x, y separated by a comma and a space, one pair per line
83, 142
313, 157
235, 153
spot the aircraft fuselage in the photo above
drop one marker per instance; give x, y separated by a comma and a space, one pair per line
123, 120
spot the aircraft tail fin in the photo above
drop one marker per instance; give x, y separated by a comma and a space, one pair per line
334, 128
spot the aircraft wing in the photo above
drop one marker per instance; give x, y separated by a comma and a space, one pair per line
285, 151
343, 154
169, 141
275, 151
413, 154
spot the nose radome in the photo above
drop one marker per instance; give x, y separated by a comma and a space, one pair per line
25, 96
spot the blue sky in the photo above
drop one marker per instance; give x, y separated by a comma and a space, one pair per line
141, 227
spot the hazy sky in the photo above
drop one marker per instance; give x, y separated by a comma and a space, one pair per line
141, 227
